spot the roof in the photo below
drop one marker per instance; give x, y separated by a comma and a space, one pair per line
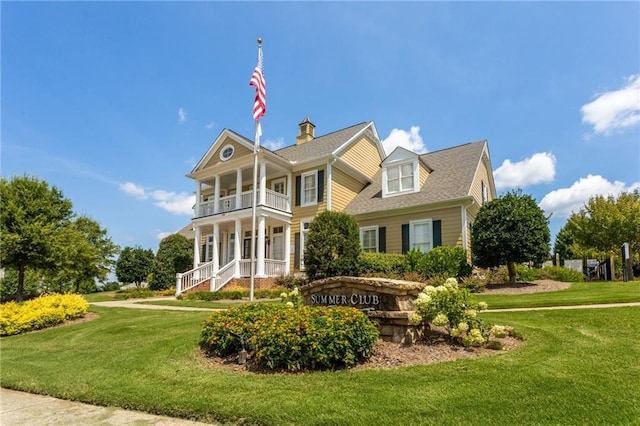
453, 170
321, 146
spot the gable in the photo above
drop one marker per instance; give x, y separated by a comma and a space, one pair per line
239, 150
240, 144
363, 155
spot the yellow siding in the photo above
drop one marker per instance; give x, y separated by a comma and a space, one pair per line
424, 173
451, 226
239, 151
344, 188
482, 175
363, 155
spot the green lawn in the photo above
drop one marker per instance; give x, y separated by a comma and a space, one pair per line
222, 304
576, 367
577, 294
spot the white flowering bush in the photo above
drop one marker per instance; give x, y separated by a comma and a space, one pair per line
449, 306
292, 299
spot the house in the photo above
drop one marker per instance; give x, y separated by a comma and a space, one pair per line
401, 201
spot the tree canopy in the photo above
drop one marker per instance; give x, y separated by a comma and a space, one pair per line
508, 230
175, 255
134, 265
332, 246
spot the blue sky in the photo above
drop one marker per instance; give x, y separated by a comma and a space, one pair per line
114, 102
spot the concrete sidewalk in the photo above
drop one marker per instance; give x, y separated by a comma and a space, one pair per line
25, 409
552, 308
132, 303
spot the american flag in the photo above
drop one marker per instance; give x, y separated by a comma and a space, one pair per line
257, 80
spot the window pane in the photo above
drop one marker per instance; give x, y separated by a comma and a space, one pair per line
407, 170
407, 183
392, 172
393, 185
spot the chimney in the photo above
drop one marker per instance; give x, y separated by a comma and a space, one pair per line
307, 131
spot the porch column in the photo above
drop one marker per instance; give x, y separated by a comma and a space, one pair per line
196, 246
263, 184
216, 195
238, 189
287, 248
289, 192
260, 259
237, 255
196, 212
216, 255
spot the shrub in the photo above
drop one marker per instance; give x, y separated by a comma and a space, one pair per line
473, 284
134, 293
446, 261
526, 274
332, 246
560, 273
290, 281
448, 306
381, 264
232, 294
280, 337
44, 311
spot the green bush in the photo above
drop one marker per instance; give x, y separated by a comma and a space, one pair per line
332, 246
560, 273
232, 294
290, 281
447, 261
280, 337
381, 264
134, 293
526, 274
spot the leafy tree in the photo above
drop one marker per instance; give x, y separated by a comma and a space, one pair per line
564, 243
134, 265
83, 254
175, 255
508, 230
605, 223
32, 215
332, 246
9, 284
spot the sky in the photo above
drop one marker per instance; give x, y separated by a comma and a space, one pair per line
115, 102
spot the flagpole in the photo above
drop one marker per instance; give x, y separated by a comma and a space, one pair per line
254, 202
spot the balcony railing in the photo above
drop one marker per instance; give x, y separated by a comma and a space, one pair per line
274, 200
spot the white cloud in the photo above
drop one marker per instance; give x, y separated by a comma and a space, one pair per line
562, 202
539, 168
274, 144
211, 125
182, 115
176, 203
614, 110
410, 140
162, 235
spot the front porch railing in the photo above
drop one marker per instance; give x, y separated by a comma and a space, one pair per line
225, 274
194, 277
275, 268
274, 199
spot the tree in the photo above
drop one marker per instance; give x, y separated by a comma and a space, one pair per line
175, 255
605, 223
508, 230
134, 265
332, 246
32, 215
83, 254
564, 243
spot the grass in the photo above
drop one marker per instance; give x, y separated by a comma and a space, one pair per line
576, 367
577, 294
222, 304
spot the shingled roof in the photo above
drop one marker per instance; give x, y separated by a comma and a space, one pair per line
321, 146
452, 176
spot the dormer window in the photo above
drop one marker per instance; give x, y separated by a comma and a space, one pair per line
400, 178
400, 173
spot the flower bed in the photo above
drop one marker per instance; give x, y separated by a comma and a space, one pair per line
45, 311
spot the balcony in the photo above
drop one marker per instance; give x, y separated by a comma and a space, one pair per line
227, 204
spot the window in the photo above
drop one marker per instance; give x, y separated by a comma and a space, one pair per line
226, 152
400, 178
309, 188
278, 186
421, 235
304, 231
277, 243
369, 239
485, 193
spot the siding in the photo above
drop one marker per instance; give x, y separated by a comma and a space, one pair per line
363, 155
482, 175
424, 173
451, 226
239, 151
344, 189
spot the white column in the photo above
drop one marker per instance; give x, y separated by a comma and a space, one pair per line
216, 255
287, 247
236, 247
262, 199
197, 212
238, 188
260, 259
289, 189
216, 195
196, 246
328, 185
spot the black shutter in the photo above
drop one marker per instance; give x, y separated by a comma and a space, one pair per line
203, 253
405, 238
296, 251
298, 184
382, 239
437, 233
320, 185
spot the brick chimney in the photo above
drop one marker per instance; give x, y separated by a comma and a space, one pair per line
307, 131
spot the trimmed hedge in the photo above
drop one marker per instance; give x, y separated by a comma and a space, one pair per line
279, 337
381, 264
44, 311
231, 294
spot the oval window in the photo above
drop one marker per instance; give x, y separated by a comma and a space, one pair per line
226, 153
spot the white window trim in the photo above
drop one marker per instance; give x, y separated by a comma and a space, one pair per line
485, 192
412, 225
416, 178
277, 181
224, 148
377, 238
302, 240
302, 189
